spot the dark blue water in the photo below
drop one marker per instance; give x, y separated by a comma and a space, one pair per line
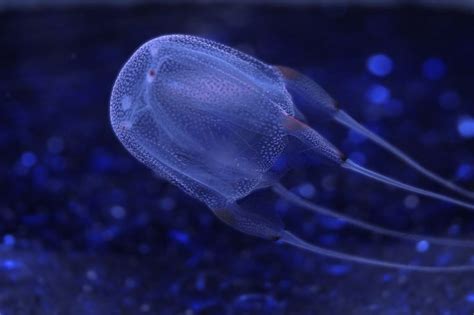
86, 229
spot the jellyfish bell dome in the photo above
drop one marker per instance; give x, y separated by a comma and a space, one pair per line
201, 114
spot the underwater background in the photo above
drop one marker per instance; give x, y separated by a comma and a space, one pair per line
87, 229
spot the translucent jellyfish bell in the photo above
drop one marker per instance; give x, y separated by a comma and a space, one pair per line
213, 121
201, 115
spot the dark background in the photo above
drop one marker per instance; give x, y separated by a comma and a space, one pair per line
86, 229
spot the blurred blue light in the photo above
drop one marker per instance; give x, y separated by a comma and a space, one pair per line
443, 259
306, 190
118, 212
338, 269
380, 65
387, 277
130, 283
449, 99
378, 94
434, 68
466, 126
200, 282
9, 240
470, 297
28, 159
464, 171
9, 264
454, 229
179, 236
422, 246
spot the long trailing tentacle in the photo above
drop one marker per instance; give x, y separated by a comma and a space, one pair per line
291, 239
295, 199
323, 147
351, 165
345, 119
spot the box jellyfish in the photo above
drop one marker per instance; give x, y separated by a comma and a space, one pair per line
213, 121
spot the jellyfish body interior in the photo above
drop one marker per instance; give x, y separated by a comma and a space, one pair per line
213, 121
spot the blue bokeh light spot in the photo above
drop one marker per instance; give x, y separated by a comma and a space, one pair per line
378, 94
434, 68
179, 236
28, 159
464, 171
422, 246
470, 297
338, 269
466, 126
9, 240
380, 65
9, 264
306, 190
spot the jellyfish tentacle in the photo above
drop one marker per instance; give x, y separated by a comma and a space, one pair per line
345, 119
291, 239
352, 166
295, 199
248, 222
323, 147
312, 94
